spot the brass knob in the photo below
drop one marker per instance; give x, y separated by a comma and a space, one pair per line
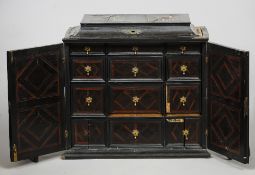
135, 100
87, 50
184, 69
183, 49
135, 70
88, 69
135, 49
89, 100
185, 133
135, 133
183, 100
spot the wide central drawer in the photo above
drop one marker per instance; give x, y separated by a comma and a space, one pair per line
135, 98
135, 67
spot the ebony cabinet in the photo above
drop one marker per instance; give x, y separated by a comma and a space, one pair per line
129, 86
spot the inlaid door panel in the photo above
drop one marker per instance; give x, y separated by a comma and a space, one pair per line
88, 132
183, 67
174, 128
87, 68
193, 126
87, 99
136, 132
136, 99
134, 67
183, 98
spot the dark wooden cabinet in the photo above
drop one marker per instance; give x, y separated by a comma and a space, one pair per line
130, 86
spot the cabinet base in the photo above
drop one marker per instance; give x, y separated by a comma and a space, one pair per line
126, 153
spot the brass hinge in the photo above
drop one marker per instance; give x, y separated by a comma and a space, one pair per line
12, 59
175, 120
66, 134
206, 60
206, 132
246, 106
15, 153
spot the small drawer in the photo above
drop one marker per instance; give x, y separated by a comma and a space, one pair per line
135, 67
136, 132
183, 49
183, 67
86, 49
183, 98
87, 68
136, 99
135, 50
87, 99
88, 132
183, 132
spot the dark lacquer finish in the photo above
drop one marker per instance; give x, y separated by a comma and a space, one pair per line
135, 49
136, 98
136, 132
87, 68
135, 67
88, 132
174, 128
183, 98
228, 102
184, 49
87, 99
183, 67
36, 101
86, 49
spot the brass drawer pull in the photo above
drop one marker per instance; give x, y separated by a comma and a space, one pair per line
135, 100
88, 69
135, 49
185, 133
184, 69
135, 133
89, 100
183, 49
183, 100
135, 70
87, 50
175, 120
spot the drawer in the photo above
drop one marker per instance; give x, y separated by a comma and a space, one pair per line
87, 68
135, 49
86, 49
136, 132
183, 67
183, 49
183, 98
88, 132
183, 132
136, 99
87, 99
135, 67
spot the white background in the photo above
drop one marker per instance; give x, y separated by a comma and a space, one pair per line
30, 23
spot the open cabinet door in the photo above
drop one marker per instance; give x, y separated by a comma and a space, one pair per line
228, 98
36, 100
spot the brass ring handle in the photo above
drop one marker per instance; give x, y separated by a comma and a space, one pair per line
135, 49
89, 100
185, 133
184, 69
135, 133
87, 69
135, 70
183, 49
183, 100
87, 50
135, 100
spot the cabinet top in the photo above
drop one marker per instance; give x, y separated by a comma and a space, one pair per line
134, 28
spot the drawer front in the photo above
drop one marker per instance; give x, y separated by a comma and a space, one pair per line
183, 132
135, 50
183, 67
83, 49
136, 132
88, 132
87, 99
183, 99
183, 49
134, 99
135, 67
87, 68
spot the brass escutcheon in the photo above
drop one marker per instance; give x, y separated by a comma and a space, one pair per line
184, 69
88, 69
135, 100
185, 133
135, 133
183, 49
89, 100
135, 49
87, 50
135, 70
183, 100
